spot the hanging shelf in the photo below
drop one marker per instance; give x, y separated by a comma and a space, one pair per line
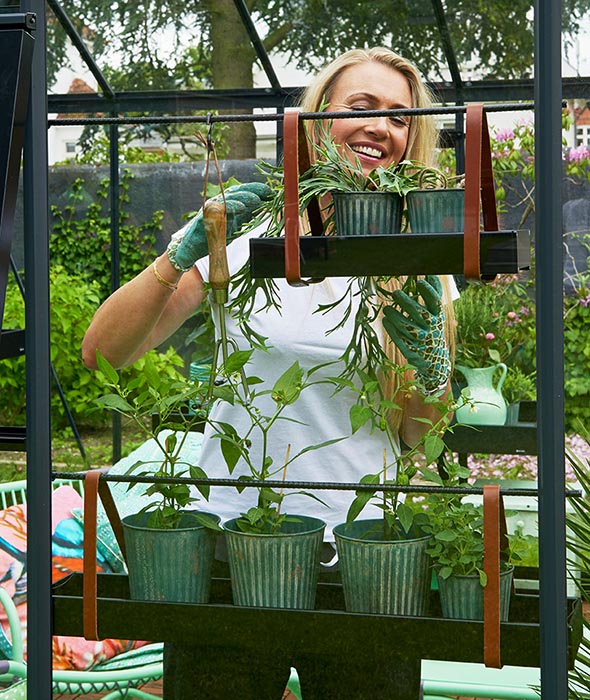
471, 252
328, 627
501, 252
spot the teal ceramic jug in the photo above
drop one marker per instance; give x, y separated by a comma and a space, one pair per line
482, 403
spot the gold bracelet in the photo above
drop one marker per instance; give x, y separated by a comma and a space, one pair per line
161, 280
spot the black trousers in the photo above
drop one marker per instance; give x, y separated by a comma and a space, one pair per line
205, 672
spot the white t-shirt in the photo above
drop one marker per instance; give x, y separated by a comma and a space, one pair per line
297, 333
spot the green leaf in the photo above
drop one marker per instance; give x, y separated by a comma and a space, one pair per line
433, 448
198, 473
115, 402
288, 386
362, 498
445, 572
231, 453
207, 521
237, 360
107, 369
405, 515
359, 415
269, 495
446, 536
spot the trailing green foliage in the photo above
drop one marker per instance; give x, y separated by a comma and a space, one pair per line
81, 233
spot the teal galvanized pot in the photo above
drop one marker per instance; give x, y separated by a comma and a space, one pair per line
436, 211
461, 597
276, 570
170, 565
367, 213
380, 576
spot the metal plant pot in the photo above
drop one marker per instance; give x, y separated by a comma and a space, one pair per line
277, 570
382, 576
367, 213
436, 211
461, 597
169, 565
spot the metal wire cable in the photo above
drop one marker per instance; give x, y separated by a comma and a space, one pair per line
320, 485
228, 118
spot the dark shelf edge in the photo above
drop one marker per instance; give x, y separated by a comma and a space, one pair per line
501, 252
308, 631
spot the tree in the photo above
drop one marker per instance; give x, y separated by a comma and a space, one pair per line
497, 35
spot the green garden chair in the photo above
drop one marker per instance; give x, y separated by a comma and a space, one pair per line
118, 678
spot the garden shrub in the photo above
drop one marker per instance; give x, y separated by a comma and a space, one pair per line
74, 300
577, 356
80, 240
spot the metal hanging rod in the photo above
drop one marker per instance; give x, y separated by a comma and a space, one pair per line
226, 118
326, 485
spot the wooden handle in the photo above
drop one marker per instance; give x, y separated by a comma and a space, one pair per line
215, 218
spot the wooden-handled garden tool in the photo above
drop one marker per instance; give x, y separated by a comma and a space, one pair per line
215, 220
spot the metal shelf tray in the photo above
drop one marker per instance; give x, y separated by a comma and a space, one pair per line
329, 627
388, 255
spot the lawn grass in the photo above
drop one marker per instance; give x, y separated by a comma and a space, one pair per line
66, 455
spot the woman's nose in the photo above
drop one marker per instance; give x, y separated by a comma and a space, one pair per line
378, 126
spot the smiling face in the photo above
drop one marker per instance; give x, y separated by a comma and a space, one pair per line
376, 141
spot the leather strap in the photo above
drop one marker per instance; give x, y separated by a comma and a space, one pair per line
89, 588
479, 188
296, 161
495, 539
93, 486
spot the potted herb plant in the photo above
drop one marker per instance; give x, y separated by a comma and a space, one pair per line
361, 204
518, 386
170, 545
434, 206
457, 549
273, 555
352, 202
383, 560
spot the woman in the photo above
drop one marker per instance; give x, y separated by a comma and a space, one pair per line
162, 297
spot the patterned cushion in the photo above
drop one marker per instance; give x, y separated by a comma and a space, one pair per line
67, 546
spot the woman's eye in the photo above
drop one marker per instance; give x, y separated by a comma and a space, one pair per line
399, 121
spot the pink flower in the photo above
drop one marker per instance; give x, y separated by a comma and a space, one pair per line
504, 135
490, 336
579, 153
512, 315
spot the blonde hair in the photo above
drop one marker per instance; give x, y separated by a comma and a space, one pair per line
422, 135
421, 147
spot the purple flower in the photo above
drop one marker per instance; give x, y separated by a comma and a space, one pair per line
504, 135
584, 302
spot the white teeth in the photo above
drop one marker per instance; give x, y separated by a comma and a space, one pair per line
367, 150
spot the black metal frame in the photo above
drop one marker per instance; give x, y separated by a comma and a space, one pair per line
548, 87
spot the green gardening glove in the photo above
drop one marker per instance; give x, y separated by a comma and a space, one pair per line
418, 330
190, 243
